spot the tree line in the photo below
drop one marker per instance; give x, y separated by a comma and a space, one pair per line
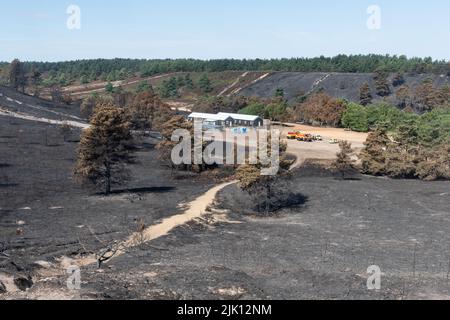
85, 71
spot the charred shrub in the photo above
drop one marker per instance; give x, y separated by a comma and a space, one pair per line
265, 198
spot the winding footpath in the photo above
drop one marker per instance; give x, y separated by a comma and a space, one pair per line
195, 209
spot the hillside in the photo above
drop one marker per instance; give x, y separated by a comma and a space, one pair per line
339, 85
295, 85
225, 83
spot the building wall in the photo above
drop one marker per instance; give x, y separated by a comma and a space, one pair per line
237, 123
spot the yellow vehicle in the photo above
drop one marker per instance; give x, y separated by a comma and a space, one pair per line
305, 137
299, 136
293, 135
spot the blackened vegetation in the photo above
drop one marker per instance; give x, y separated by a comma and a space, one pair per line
344, 163
166, 146
274, 195
142, 191
264, 199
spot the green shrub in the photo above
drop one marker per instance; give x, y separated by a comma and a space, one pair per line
356, 118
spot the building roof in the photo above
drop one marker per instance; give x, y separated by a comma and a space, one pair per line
223, 116
209, 116
237, 116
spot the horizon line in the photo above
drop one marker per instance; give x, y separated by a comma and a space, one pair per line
434, 60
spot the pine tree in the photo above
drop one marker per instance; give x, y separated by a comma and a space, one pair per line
109, 87
279, 92
143, 87
344, 162
180, 82
169, 88
373, 156
147, 111
166, 145
105, 149
403, 95
434, 164
17, 78
205, 84
188, 81
381, 84
365, 96
84, 79
398, 80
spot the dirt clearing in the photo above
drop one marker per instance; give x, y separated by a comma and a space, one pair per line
320, 150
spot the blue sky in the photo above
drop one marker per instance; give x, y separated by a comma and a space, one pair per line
207, 29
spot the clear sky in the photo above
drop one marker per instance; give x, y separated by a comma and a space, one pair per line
207, 29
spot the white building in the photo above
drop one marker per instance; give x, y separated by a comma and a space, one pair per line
223, 119
210, 119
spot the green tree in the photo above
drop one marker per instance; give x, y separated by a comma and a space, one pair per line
84, 79
276, 111
109, 87
144, 86
355, 117
254, 109
180, 82
188, 81
279, 92
169, 88
205, 84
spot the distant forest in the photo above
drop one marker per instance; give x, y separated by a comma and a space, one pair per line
85, 71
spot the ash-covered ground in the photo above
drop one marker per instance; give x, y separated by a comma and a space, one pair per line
318, 250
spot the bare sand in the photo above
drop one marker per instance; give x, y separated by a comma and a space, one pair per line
321, 150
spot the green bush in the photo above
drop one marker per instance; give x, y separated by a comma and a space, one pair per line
434, 127
254, 109
362, 119
356, 118
415, 147
276, 110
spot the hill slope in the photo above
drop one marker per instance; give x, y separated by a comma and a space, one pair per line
339, 85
